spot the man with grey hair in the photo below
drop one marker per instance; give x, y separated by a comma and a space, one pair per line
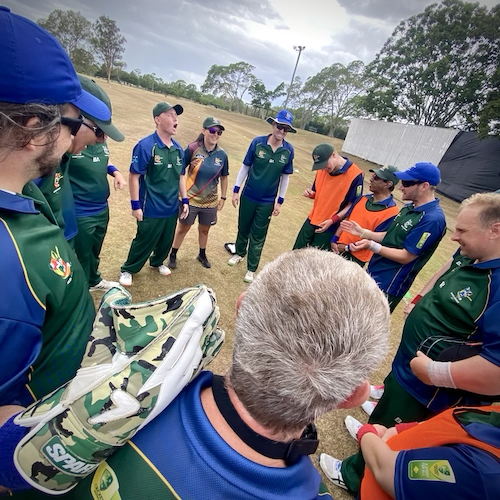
309, 331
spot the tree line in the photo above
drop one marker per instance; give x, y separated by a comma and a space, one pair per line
439, 68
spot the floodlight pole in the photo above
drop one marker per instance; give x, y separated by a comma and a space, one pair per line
298, 48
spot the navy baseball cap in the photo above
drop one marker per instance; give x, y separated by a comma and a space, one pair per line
421, 171
35, 68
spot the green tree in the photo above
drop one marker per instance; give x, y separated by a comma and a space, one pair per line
263, 98
332, 94
231, 81
108, 43
436, 67
69, 27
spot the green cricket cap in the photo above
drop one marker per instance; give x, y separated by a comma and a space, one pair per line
387, 173
106, 126
211, 121
321, 153
163, 106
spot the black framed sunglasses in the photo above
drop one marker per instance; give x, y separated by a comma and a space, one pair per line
97, 131
408, 184
73, 124
285, 128
214, 130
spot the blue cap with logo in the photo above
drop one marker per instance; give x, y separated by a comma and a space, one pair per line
283, 117
35, 68
421, 171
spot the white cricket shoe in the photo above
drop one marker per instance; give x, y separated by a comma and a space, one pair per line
352, 426
248, 277
235, 259
331, 467
163, 270
125, 279
369, 406
104, 286
376, 391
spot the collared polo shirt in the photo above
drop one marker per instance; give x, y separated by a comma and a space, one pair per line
159, 167
46, 312
419, 231
266, 168
464, 304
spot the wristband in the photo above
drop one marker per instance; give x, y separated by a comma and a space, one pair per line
364, 234
416, 299
440, 374
348, 248
280, 200
223, 198
136, 204
405, 426
374, 247
112, 169
334, 239
184, 201
236, 189
335, 219
366, 429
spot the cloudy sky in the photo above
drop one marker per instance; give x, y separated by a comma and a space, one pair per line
182, 39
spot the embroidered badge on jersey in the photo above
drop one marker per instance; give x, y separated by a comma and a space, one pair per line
422, 239
431, 470
57, 181
359, 190
465, 293
158, 159
105, 484
59, 265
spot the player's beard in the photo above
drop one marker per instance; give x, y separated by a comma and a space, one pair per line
47, 161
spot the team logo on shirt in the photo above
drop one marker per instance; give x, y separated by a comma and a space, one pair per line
422, 239
407, 226
217, 162
106, 150
158, 159
59, 265
465, 293
359, 190
135, 159
261, 153
283, 159
57, 181
96, 159
179, 162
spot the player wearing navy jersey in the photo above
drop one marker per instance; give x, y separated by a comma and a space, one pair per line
155, 181
266, 167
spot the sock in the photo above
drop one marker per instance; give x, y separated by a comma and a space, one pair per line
173, 253
202, 253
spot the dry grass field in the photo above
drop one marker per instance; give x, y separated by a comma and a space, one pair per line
132, 114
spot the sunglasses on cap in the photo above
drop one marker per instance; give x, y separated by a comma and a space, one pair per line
408, 184
97, 131
73, 124
214, 130
285, 128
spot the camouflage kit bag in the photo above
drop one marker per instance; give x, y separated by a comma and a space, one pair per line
138, 358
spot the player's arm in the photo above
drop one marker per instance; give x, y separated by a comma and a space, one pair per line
281, 193
242, 175
381, 460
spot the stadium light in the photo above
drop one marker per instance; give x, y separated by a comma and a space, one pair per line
298, 48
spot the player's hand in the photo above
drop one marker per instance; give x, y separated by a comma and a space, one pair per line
408, 309
334, 247
220, 205
309, 193
418, 366
323, 226
184, 211
351, 227
359, 245
381, 429
138, 214
234, 200
388, 433
341, 247
277, 209
119, 181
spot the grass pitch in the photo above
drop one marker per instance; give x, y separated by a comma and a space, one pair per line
132, 113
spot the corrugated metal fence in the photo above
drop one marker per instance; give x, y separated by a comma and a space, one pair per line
396, 144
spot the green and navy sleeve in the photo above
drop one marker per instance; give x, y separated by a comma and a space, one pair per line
288, 168
21, 319
429, 229
458, 471
141, 155
248, 160
355, 190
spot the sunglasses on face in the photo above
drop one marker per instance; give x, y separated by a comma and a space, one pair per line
283, 127
73, 124
408, 184
214, 130
97, 131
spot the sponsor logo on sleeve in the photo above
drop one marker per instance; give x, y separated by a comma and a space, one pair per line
59, 265
423, 239
431, 470
465, 293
